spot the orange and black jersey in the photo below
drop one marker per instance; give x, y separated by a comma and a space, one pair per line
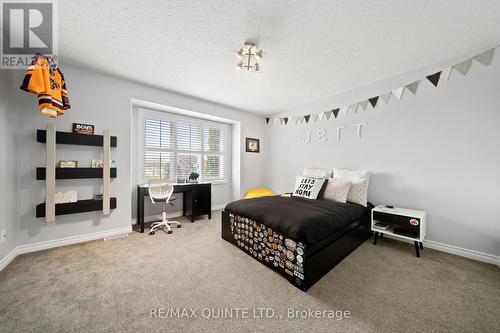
49, 85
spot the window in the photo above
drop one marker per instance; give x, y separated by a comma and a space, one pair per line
175, 146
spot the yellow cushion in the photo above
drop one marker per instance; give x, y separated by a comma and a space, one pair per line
258, 192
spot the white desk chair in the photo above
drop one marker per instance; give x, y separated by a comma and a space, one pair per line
161, 191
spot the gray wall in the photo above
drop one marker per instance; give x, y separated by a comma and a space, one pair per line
437, 151
104, 101
8, 132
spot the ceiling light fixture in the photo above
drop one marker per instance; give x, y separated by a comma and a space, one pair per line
248, 56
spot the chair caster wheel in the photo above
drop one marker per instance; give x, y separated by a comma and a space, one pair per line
169, 232
151, 232
178, 226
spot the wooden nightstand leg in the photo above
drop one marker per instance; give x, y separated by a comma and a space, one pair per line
417, 249
421, 246
375, 238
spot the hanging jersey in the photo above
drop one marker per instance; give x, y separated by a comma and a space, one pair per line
49, 85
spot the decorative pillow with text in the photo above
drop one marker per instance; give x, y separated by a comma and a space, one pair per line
308, 187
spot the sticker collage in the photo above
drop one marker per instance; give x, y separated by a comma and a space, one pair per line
282, 254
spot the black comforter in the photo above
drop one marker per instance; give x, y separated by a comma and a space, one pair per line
304, 220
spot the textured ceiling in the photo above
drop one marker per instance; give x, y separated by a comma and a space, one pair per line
313, 49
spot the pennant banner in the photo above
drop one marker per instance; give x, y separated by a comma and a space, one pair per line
484, 58
398, 92
386, 97
463, 67
364, 104
413, 87
434, 78
373, 101
354, 107
445, 74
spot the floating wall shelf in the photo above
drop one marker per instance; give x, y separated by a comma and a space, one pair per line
75, 173
50, 173
81, 206
69, 138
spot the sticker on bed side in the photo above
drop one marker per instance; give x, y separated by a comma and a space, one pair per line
290, 255
414, 222
290, 244
299, 275
300, 251
300, 259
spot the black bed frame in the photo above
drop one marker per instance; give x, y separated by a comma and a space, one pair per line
321, 262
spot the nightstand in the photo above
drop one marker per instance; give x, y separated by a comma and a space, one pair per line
402, 223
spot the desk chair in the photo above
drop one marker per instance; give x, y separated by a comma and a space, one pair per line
160, 191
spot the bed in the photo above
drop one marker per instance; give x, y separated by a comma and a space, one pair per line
301, 239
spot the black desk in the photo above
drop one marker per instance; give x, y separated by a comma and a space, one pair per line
197, 200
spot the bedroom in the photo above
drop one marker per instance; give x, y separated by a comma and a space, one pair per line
334, 91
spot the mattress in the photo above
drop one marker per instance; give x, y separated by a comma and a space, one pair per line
304, 220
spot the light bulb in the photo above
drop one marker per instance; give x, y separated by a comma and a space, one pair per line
259, 54
240, 53
239, 66
257, 67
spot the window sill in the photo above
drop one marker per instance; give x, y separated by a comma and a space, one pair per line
217, 182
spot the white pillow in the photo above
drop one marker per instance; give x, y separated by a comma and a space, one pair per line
316, 173
358, 193
350, 174
308, 187
337, 190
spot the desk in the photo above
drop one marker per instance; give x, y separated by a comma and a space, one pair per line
197, 200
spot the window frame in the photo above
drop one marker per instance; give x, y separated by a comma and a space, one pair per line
144, 113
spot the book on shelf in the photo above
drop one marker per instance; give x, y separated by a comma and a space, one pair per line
381, 226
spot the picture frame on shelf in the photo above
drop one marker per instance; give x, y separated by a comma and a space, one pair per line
68, 164
100, 164
83, 129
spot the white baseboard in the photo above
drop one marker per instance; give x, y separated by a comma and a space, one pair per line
21, 249
476, 255
459, 251
8, 258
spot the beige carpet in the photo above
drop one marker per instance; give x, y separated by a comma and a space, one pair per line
112, 286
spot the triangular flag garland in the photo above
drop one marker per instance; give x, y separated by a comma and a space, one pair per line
434, 78
485, 58
463, 67
386, 97
354, 107
413, 87
344, 110
445, 74
373, 101
364, 104
398, 92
